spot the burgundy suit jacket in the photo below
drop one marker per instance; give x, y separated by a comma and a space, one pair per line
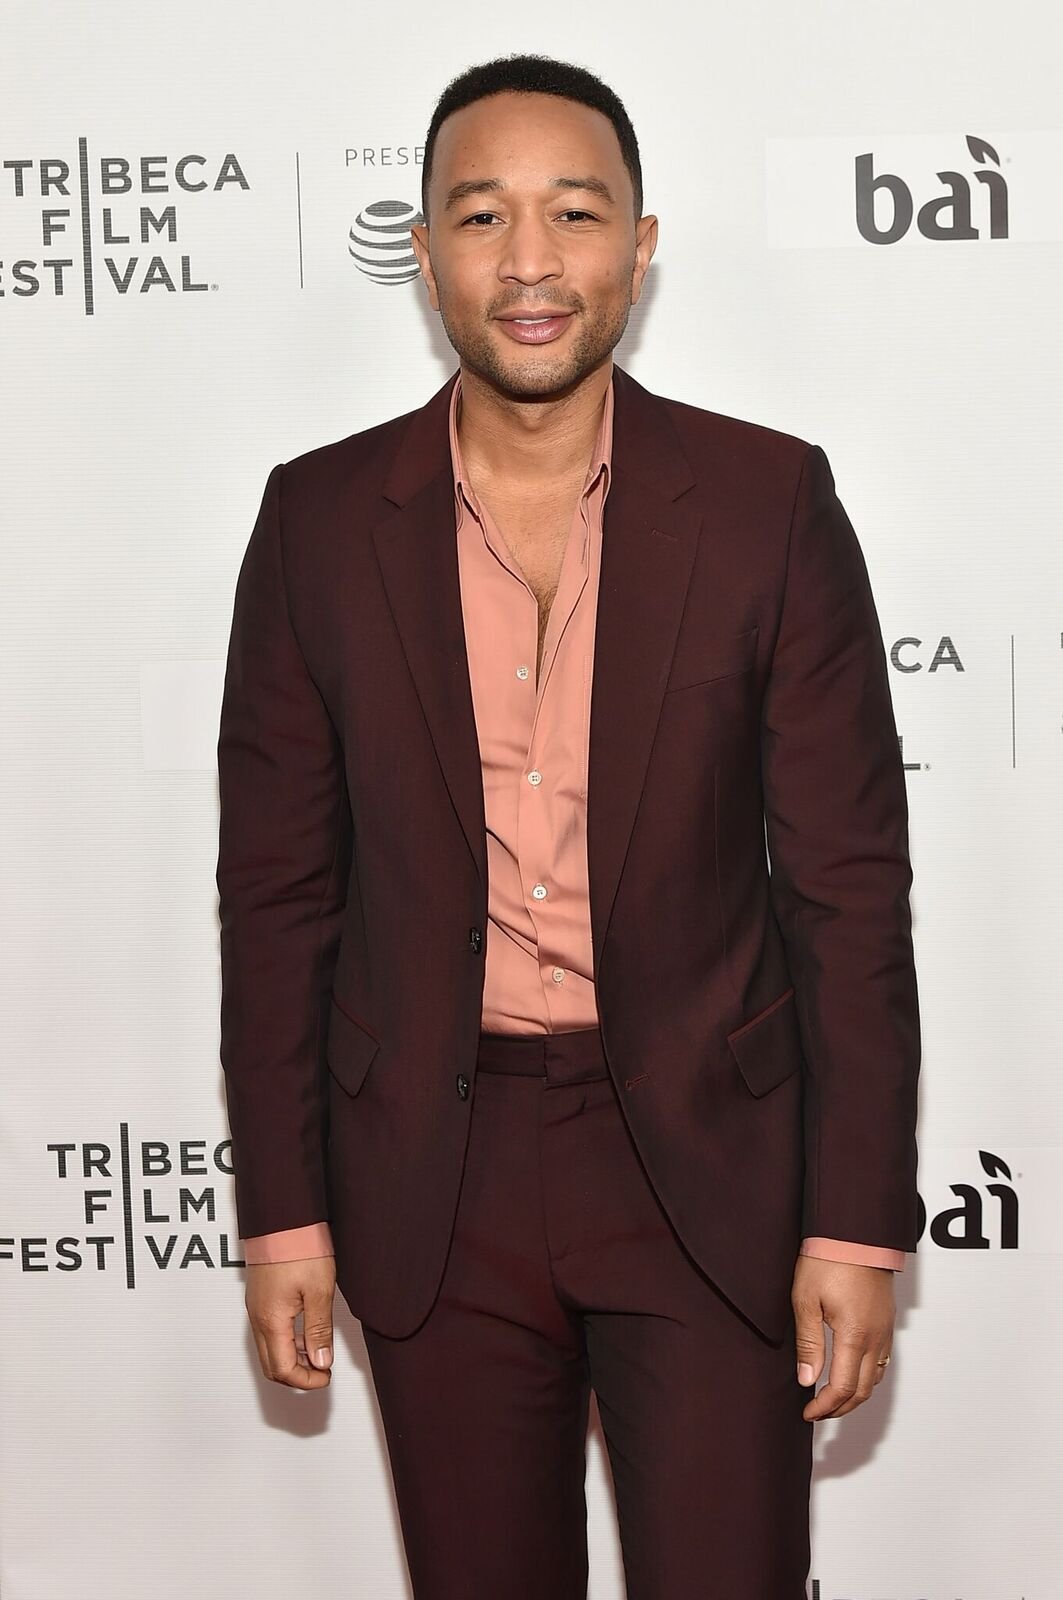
747, 840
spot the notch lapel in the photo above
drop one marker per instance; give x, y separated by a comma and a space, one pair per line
649, 540
417, 550
648, 547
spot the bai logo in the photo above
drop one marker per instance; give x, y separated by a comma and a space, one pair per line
885, 206
987, 1216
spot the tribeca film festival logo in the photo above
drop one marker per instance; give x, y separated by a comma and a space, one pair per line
911, 654
913, 659
106, 224
165, 1205
149, 1204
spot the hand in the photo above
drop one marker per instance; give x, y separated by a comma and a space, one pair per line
857, 1304
276, 1293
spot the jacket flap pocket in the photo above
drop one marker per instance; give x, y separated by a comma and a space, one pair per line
768, 1046
349, 1049
702, 657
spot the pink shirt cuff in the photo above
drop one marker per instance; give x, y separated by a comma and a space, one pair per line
315, 1239
290, 1244
860, 1255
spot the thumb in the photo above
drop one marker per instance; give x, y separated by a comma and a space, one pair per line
317, 1325
810, 1342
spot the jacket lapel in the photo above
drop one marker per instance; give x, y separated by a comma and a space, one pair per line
649, 540
648, 547
417, 550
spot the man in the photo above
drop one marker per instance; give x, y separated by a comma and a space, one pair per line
582, 1085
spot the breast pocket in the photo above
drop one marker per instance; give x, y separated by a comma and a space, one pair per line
703, 658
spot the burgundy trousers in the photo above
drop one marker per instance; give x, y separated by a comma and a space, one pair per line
564, 1274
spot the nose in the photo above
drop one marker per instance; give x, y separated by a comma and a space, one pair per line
530, 252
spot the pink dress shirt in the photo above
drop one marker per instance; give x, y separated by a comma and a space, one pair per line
534, 746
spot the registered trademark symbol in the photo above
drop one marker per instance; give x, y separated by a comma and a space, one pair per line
214, 285
926, 766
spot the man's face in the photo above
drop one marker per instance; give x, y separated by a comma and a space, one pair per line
525, 244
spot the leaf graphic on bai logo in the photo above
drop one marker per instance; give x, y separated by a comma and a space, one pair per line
981, 150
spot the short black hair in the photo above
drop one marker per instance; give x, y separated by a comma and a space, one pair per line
532, 74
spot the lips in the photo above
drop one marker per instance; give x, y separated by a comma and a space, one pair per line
537, 327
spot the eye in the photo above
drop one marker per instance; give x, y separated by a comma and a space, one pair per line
476, 216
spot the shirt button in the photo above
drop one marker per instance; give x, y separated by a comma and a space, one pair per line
522, 672
535, 776
558, 974
539, 891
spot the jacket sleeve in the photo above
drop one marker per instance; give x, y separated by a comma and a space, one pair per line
836, 816
283, 806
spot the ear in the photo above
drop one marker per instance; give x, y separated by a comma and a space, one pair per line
419, 239
645, 245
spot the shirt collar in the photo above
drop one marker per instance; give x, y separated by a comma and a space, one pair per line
601, 458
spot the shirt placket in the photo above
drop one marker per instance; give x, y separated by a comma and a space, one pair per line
550, 779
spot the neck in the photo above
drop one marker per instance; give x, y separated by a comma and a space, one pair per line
530, 441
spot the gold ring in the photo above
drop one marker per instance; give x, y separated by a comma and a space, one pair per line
884, 1362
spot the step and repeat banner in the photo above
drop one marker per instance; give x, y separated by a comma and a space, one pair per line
861, 243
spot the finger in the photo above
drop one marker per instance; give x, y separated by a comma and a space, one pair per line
810, 1342
283, 1358
263, 1353
317, 1325
864, 1385
842, 1379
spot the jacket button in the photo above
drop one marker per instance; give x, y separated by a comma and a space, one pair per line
476, 940
463, 1086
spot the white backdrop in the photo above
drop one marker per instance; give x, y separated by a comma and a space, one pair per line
143, 1454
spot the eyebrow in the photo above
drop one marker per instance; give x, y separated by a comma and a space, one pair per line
471, 186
